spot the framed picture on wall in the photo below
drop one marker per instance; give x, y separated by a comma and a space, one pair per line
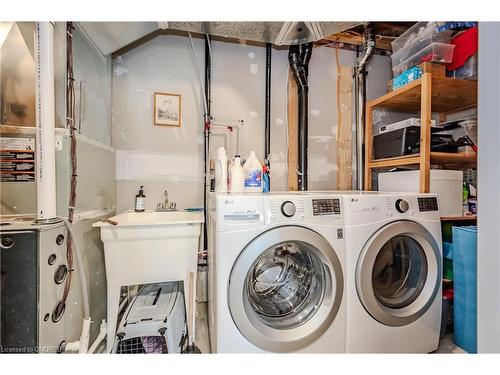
167, 109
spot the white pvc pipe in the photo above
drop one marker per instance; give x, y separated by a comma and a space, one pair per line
82, 345
100, 337
45, 122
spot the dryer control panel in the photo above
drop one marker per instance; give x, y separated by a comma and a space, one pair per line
326, 206
427, 204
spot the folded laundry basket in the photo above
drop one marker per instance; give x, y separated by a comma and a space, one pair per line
155, 321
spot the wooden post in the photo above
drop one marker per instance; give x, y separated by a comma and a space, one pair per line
344, 129
425, 132
293, 147
368, 146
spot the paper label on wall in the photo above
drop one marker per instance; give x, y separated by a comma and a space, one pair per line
17, 159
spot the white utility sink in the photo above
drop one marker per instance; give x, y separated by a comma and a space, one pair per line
132, 218
150, 247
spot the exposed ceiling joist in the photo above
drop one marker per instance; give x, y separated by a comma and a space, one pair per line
349, 38
385, 33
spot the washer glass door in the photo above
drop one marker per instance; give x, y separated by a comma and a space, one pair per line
398, 273
285, 288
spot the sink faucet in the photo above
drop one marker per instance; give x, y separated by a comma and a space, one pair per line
166, 198
166, 205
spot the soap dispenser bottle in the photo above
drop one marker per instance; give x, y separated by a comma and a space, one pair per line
140, 200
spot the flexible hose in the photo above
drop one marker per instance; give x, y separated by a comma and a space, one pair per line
70, 123
81, 270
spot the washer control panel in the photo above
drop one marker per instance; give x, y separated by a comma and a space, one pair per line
427, 204
326, 206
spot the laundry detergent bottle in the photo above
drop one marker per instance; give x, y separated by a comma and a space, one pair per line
253, 174
221, 171
237, 176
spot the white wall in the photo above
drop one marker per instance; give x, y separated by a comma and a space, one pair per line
92, 90
172, 158
158, 157
488, 256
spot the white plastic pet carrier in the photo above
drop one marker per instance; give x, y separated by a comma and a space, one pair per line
155, 321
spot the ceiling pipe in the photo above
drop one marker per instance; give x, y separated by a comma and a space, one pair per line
298, 58
267, 143
360, 99
45, 123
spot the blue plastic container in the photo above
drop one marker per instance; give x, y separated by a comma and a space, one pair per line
448, 250
407, 76
465, 287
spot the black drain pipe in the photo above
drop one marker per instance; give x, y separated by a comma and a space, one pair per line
298, 58
267, 143
207, 119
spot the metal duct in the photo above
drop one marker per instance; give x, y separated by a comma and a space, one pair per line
360, 99
279, 33
267, 143
298, 58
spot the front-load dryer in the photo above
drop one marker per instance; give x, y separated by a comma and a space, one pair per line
276, 273
394, 262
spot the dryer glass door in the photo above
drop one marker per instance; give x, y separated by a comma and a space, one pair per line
285, 288
398, 273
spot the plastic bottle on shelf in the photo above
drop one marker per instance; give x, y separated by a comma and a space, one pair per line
237, 176
253, 174
221, 171
465, 199
266, 180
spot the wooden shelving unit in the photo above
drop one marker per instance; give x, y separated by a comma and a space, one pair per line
428, 94
433, 92
459, 218
442, 158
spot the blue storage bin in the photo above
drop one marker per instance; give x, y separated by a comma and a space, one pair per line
465, 287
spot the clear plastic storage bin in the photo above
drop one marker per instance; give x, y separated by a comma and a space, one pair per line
421, 31
418, 44
435, 52
467, 71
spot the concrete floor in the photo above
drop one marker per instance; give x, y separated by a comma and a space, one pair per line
447, 346
202, 339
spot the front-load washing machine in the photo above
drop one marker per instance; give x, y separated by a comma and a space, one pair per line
394, 262
276, 273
